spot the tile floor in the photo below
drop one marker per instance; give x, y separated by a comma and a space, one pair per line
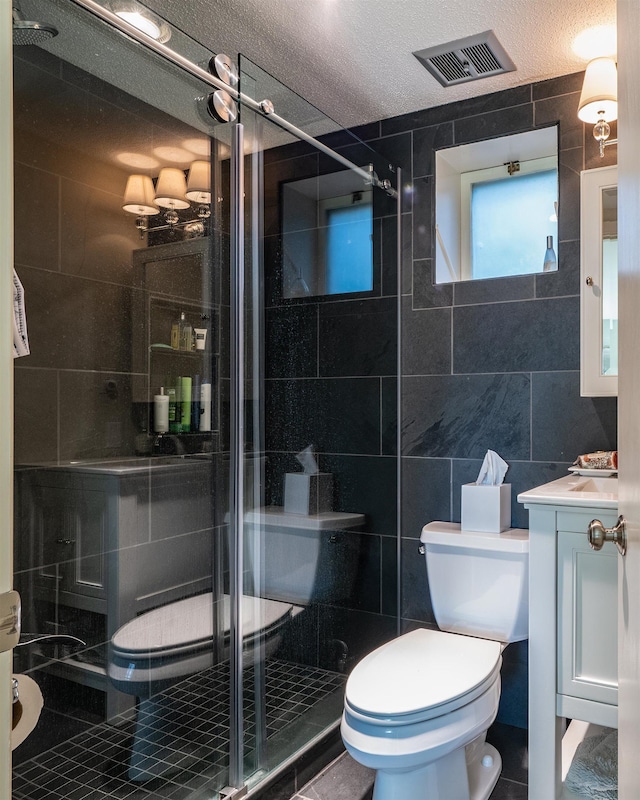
345, 779
186, 743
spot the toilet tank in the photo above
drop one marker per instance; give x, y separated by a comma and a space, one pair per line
478, 582
301, 558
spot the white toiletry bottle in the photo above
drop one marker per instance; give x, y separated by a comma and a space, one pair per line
161, 412
205, 406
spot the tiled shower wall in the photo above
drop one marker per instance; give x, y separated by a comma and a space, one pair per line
488, 364
330, 366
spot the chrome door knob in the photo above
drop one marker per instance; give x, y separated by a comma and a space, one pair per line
598, 535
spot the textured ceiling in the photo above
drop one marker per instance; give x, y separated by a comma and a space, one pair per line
353, 58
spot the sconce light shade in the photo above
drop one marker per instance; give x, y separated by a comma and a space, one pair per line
171, 188
599, 98
199, 182
138, 196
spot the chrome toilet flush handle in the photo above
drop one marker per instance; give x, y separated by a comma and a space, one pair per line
598, 535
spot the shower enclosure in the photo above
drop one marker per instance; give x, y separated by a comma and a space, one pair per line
205, 536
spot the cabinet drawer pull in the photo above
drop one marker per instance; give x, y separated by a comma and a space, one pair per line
65, 541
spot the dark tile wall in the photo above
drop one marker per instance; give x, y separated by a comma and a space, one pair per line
494, 363
331, 378
491, 364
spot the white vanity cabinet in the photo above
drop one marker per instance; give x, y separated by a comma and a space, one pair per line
100, 542
572, 620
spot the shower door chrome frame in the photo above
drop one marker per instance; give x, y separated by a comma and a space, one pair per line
236, 488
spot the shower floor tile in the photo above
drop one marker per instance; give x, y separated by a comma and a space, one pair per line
187, 743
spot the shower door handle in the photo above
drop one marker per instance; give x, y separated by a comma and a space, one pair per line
10, 614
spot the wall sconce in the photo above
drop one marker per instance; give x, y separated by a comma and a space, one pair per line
173, 193
171, 189
139, 200
599, 99
199, 187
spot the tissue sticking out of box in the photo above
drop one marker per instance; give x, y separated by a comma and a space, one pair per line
492, 471
308, 492
306, 458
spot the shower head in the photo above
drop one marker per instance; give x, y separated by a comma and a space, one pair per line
28, 32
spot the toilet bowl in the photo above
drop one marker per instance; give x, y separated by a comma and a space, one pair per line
169, 643
417, 709
163, 646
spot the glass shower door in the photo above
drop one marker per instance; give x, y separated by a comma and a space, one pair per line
120, 479
319, 351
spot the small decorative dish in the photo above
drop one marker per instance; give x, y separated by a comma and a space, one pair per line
593, 473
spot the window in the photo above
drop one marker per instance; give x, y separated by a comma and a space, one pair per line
327, 236
348, 242
496, 204
508, 219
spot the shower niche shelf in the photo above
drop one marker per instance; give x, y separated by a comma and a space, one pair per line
176, 280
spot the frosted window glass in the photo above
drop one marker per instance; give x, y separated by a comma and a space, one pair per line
510, 221
349, 249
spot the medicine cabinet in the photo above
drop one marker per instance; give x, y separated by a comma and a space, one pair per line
599, 282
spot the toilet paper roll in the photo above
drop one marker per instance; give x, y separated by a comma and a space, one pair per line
26, 712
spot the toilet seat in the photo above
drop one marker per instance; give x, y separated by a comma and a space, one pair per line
187, 625
421, 675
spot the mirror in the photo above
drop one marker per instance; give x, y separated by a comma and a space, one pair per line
327, 236
599, 273
497, 206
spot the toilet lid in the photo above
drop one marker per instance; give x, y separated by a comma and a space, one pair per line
190, 621
421, 670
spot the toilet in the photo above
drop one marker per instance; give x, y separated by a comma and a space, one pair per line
417, 709
293, 560
163, 646
169, 643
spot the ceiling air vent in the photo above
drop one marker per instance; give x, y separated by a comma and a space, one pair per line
469, 59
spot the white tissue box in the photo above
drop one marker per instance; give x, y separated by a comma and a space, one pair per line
486, 508
308, 494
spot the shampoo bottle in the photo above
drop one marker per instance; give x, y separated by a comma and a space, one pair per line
185, 417
171, 394
205, 407
186, 334
175, 334
175, 425
161, 412
195, 404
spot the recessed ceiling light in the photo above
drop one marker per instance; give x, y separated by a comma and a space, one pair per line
141, 19
595, 42
143, 24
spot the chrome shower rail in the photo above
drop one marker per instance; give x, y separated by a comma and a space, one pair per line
263, 107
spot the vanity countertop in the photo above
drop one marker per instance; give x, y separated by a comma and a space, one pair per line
575, 490
125, 466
